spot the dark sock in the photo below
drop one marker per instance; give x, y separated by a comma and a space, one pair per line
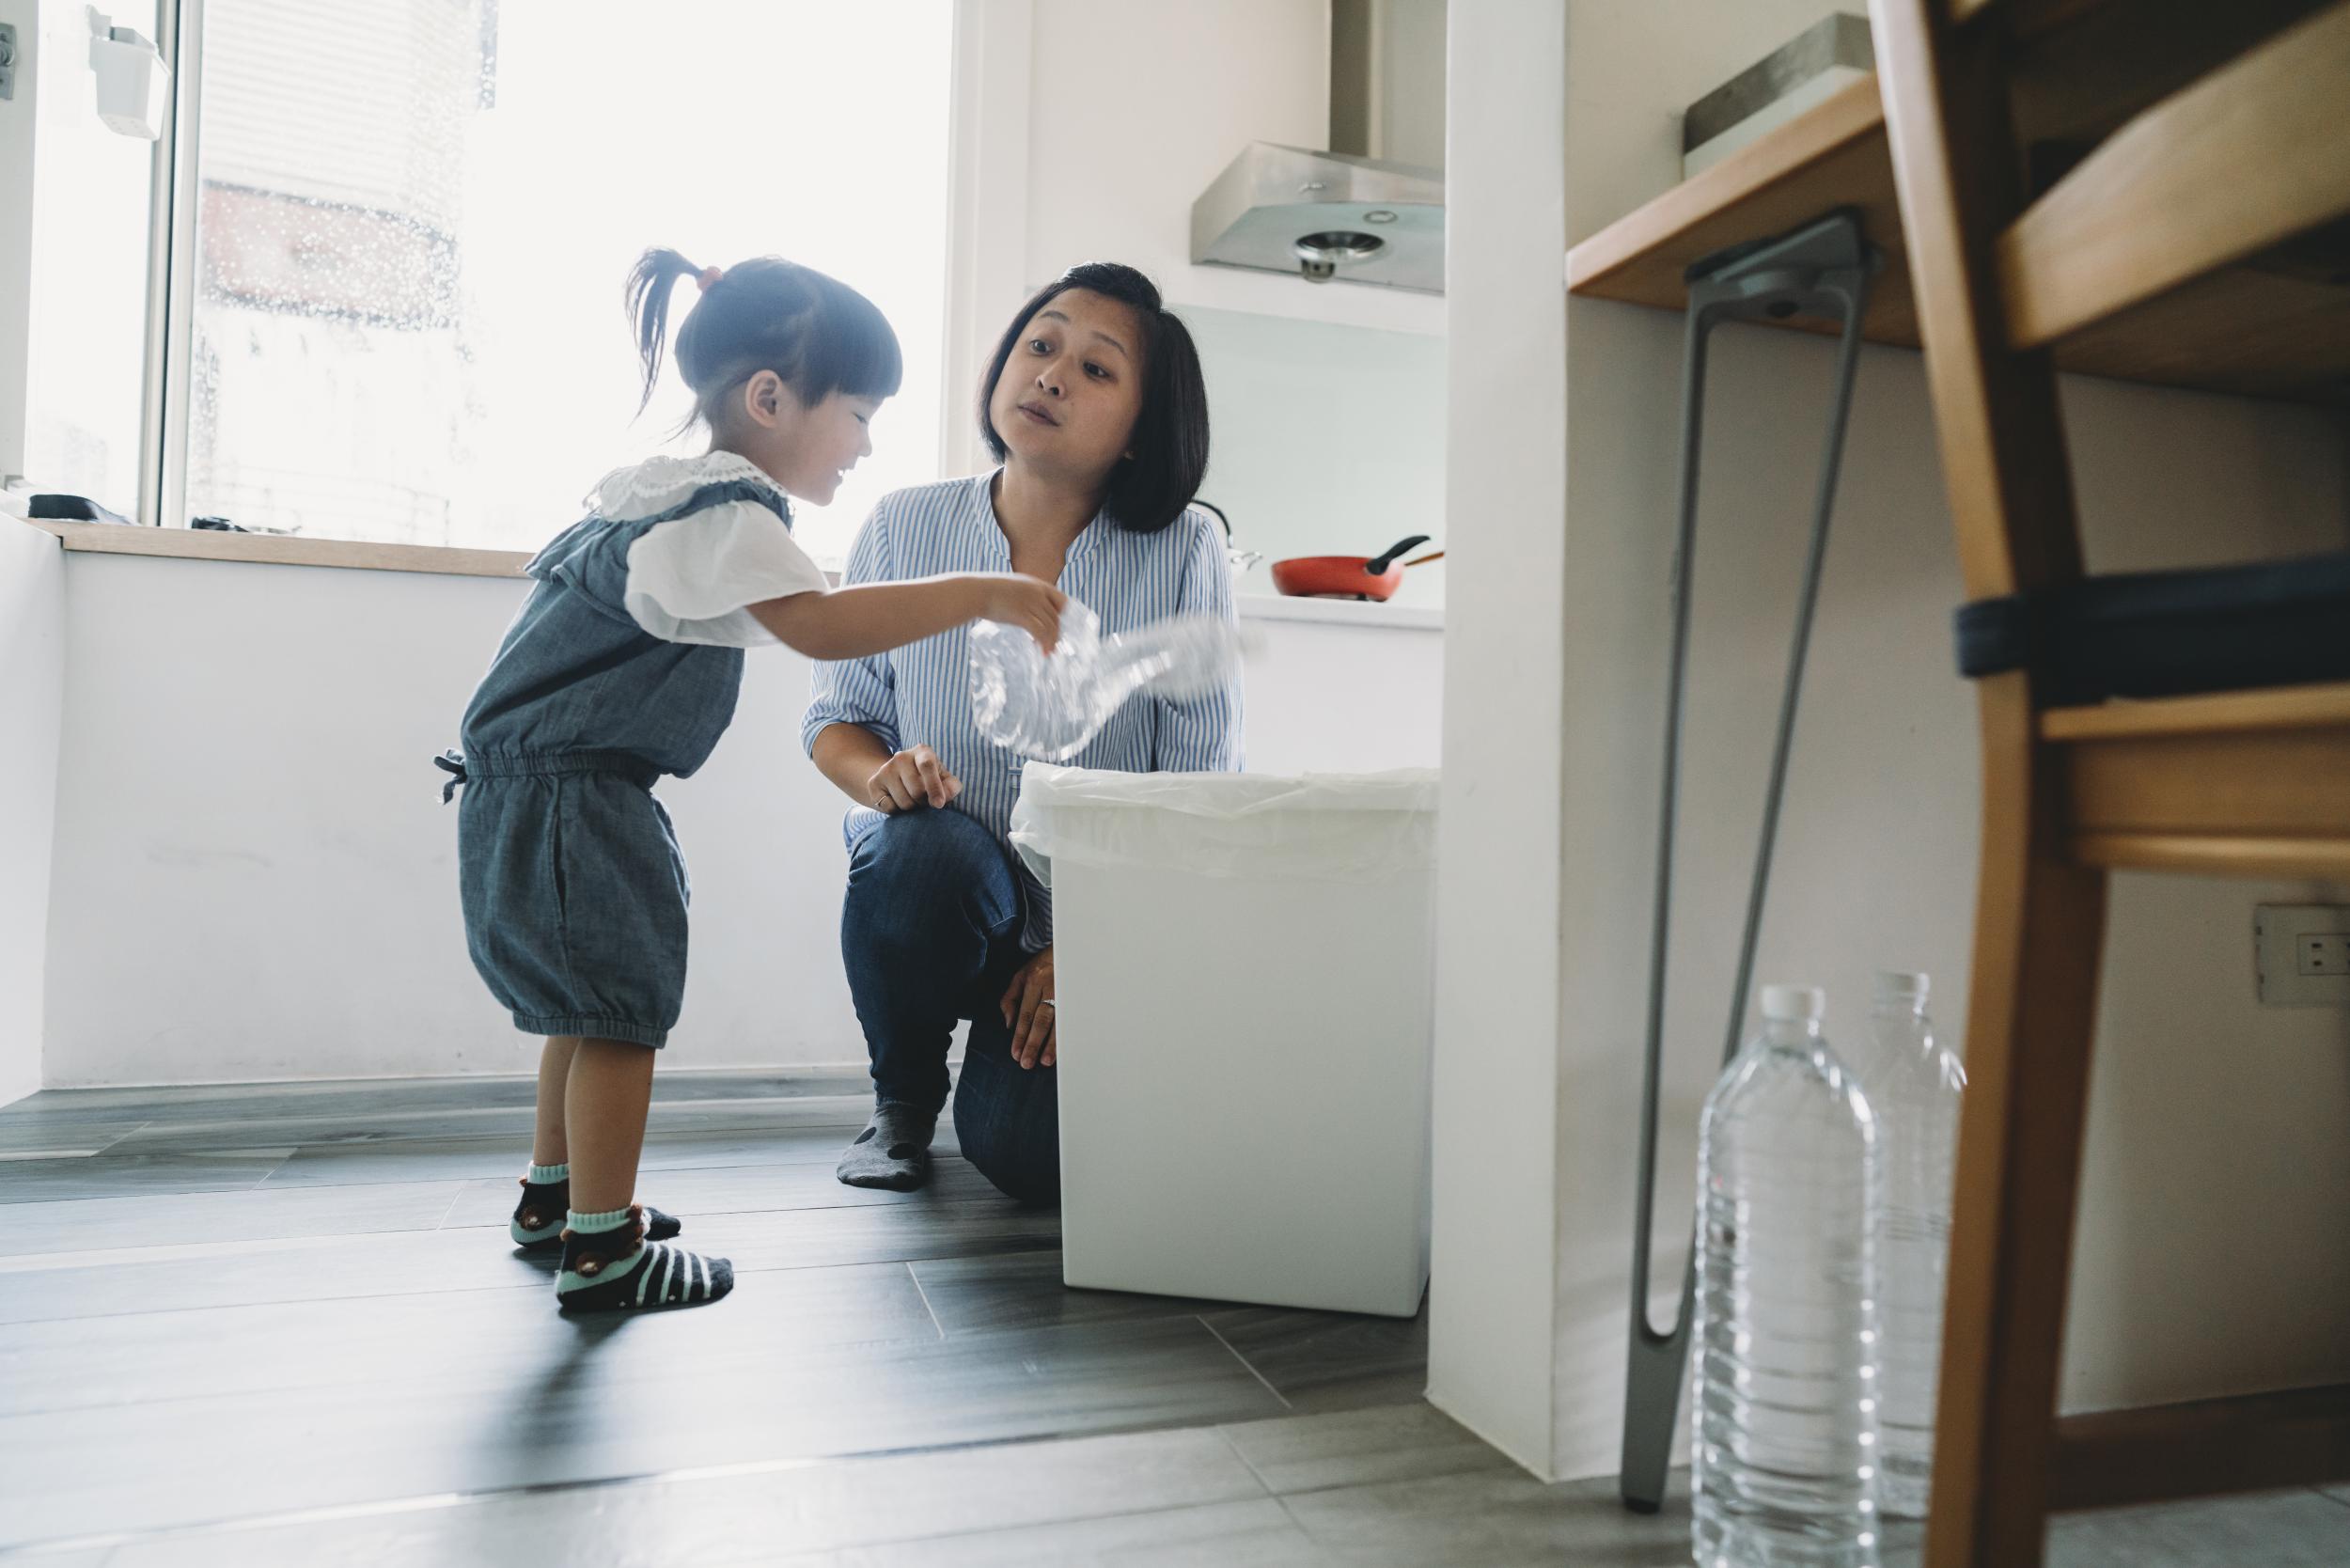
609, 1266
893, 1151
538, 1224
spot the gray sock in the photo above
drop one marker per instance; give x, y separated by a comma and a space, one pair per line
893, 1151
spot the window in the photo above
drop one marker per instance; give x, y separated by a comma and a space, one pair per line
414, 218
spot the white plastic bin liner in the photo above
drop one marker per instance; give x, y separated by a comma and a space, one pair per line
1349, 827
1245, 972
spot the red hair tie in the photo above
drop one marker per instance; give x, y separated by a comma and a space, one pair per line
706, 276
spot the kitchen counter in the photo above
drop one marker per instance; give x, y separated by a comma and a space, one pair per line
276, 550
1340, 612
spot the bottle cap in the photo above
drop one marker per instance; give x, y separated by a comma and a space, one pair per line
1793, 1004
1902, 985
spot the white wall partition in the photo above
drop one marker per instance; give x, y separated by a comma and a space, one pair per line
32, 687
255, 877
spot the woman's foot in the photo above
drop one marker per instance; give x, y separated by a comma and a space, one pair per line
610, 1266
893, 1151
546, 1201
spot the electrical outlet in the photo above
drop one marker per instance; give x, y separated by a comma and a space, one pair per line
2302, 951
2323, 953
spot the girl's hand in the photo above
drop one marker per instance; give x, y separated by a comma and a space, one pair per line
910, 780
1010, 599
1028, 1009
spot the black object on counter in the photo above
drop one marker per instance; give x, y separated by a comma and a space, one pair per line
72, 509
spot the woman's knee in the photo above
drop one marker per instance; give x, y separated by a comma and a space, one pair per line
1018, 1154
915, 866
1016, 1173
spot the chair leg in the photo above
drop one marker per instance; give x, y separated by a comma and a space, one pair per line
2032, 1011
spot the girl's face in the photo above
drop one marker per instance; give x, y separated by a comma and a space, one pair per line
806, 449
1069, 394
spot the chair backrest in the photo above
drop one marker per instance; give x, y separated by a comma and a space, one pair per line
2162, 142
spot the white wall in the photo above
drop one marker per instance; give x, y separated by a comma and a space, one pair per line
1291, 367
2218, 1165
1120, 186
1054, 180
1330, 440
32, 667
255, 878
1493, 1304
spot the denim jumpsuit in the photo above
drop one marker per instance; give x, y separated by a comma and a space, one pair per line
573, 887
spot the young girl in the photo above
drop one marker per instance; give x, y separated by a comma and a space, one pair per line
623, 665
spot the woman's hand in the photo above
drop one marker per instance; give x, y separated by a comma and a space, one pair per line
910, 780
1011, 598
1028, 1009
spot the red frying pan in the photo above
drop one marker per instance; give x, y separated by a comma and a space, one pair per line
1348, 576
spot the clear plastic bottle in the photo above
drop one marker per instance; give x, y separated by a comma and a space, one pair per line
1785, 1339
1914, 1087
1049, 708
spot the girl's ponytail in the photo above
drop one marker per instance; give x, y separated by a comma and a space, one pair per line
649, 284
817, 332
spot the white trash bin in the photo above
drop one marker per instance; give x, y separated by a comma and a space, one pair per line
1243, 967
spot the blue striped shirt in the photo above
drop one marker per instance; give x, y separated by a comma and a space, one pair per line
921, 694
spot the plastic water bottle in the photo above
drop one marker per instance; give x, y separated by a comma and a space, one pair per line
1785, 1337
1049, 707
1914, 1087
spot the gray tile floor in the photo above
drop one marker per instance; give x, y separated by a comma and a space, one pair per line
201, 1362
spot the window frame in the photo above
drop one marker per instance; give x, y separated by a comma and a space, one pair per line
172, 249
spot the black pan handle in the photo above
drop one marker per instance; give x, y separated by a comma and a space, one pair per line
1378, 564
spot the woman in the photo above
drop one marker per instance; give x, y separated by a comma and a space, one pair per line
1095, 406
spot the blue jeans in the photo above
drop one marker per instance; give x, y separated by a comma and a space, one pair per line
931, 936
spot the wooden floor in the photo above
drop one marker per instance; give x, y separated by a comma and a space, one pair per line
283, 1325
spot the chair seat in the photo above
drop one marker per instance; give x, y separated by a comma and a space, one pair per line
2253, 783
2168, 634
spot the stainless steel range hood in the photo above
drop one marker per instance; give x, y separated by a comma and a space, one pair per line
1372, 210
1321, 216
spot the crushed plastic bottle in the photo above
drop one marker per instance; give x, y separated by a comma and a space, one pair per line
1047, 708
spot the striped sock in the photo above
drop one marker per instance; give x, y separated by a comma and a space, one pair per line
538, 1223
546, 1195
608, 1265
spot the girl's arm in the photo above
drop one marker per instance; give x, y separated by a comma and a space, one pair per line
855, 622
850, 730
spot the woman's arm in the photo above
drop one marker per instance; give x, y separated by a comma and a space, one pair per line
850, 730
862, 766
1202, 734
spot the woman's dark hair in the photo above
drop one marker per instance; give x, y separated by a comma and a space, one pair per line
1151, 488
817, 332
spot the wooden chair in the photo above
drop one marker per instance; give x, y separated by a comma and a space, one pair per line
2241, 146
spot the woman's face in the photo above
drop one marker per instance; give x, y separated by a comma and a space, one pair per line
1069, 394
